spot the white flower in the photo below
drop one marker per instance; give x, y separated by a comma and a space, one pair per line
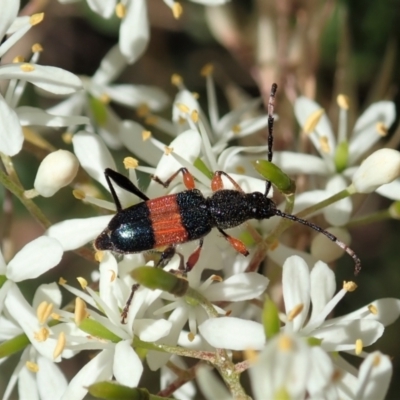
57, 169
48, 78
99, 91
33, 260
381, 167
36, 373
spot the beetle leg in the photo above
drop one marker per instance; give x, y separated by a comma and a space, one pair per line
124, 314
217, 184
188, 179
194, 257
235, 243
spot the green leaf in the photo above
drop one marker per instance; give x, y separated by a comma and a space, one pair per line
14, 345
275, 175
270, 319
95, 328
115, 391
156, 278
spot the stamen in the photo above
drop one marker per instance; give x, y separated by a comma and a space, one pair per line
143, 110
41, 335
60, 346
312, 121
359, 347
120, 10
382, 129
372, 309
250, 355
62, 281
80, 311
43, 311
195, 95
194, 116
55, 316
82, 282
36, 19
191, 336
151, 120
177, 10
343, 101
324, 143
240, 169
216, 278
99, 255
183, 108
37, 48
18, 59
113, 276
176, 80
104, 98
33, 367
377, 360
79, 194
168, 150
207, 70
67, 137
236, 129
130, 163
349, 286
27, 67
285, 343
146, 135
296, 310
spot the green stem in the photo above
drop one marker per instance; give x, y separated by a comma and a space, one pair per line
369, 219
18, 191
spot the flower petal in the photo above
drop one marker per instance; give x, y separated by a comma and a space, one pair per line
150, 330
51, 382
127, 367
210, 386
233, 333
34, 259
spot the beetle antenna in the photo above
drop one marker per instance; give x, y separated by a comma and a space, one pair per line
333, 238
271, 106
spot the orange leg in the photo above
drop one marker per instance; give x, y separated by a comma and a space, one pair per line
217, 184
235, 243
188, 179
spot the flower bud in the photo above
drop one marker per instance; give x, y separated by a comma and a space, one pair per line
379, 168
57, 170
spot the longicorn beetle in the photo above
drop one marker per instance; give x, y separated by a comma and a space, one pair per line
189, 215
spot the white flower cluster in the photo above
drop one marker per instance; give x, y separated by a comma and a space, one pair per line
293, 352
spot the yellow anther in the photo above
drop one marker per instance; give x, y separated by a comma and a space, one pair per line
176, 79
146, 135
43, 311
142, 110
183, 108
285, 343
67, 137
343, 101
33, 367
130, 163
377, 360
236, 129
195, 95
18, 59
349, 286
98, 256
312, 121
36, 19
27, 67
168, 150
62, 281
113, 276
324, 143
151, 120
181, 120
82, 282
240, 169
80, 311
41, 335
295, 311
104, 98
216, 278
55, 316
120, 10
79, 194
207, 70
228, 312
177, 10
382, 129
194, 116
37, 48
250, 355
191, 336
372, 309
359, 347
60, 346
